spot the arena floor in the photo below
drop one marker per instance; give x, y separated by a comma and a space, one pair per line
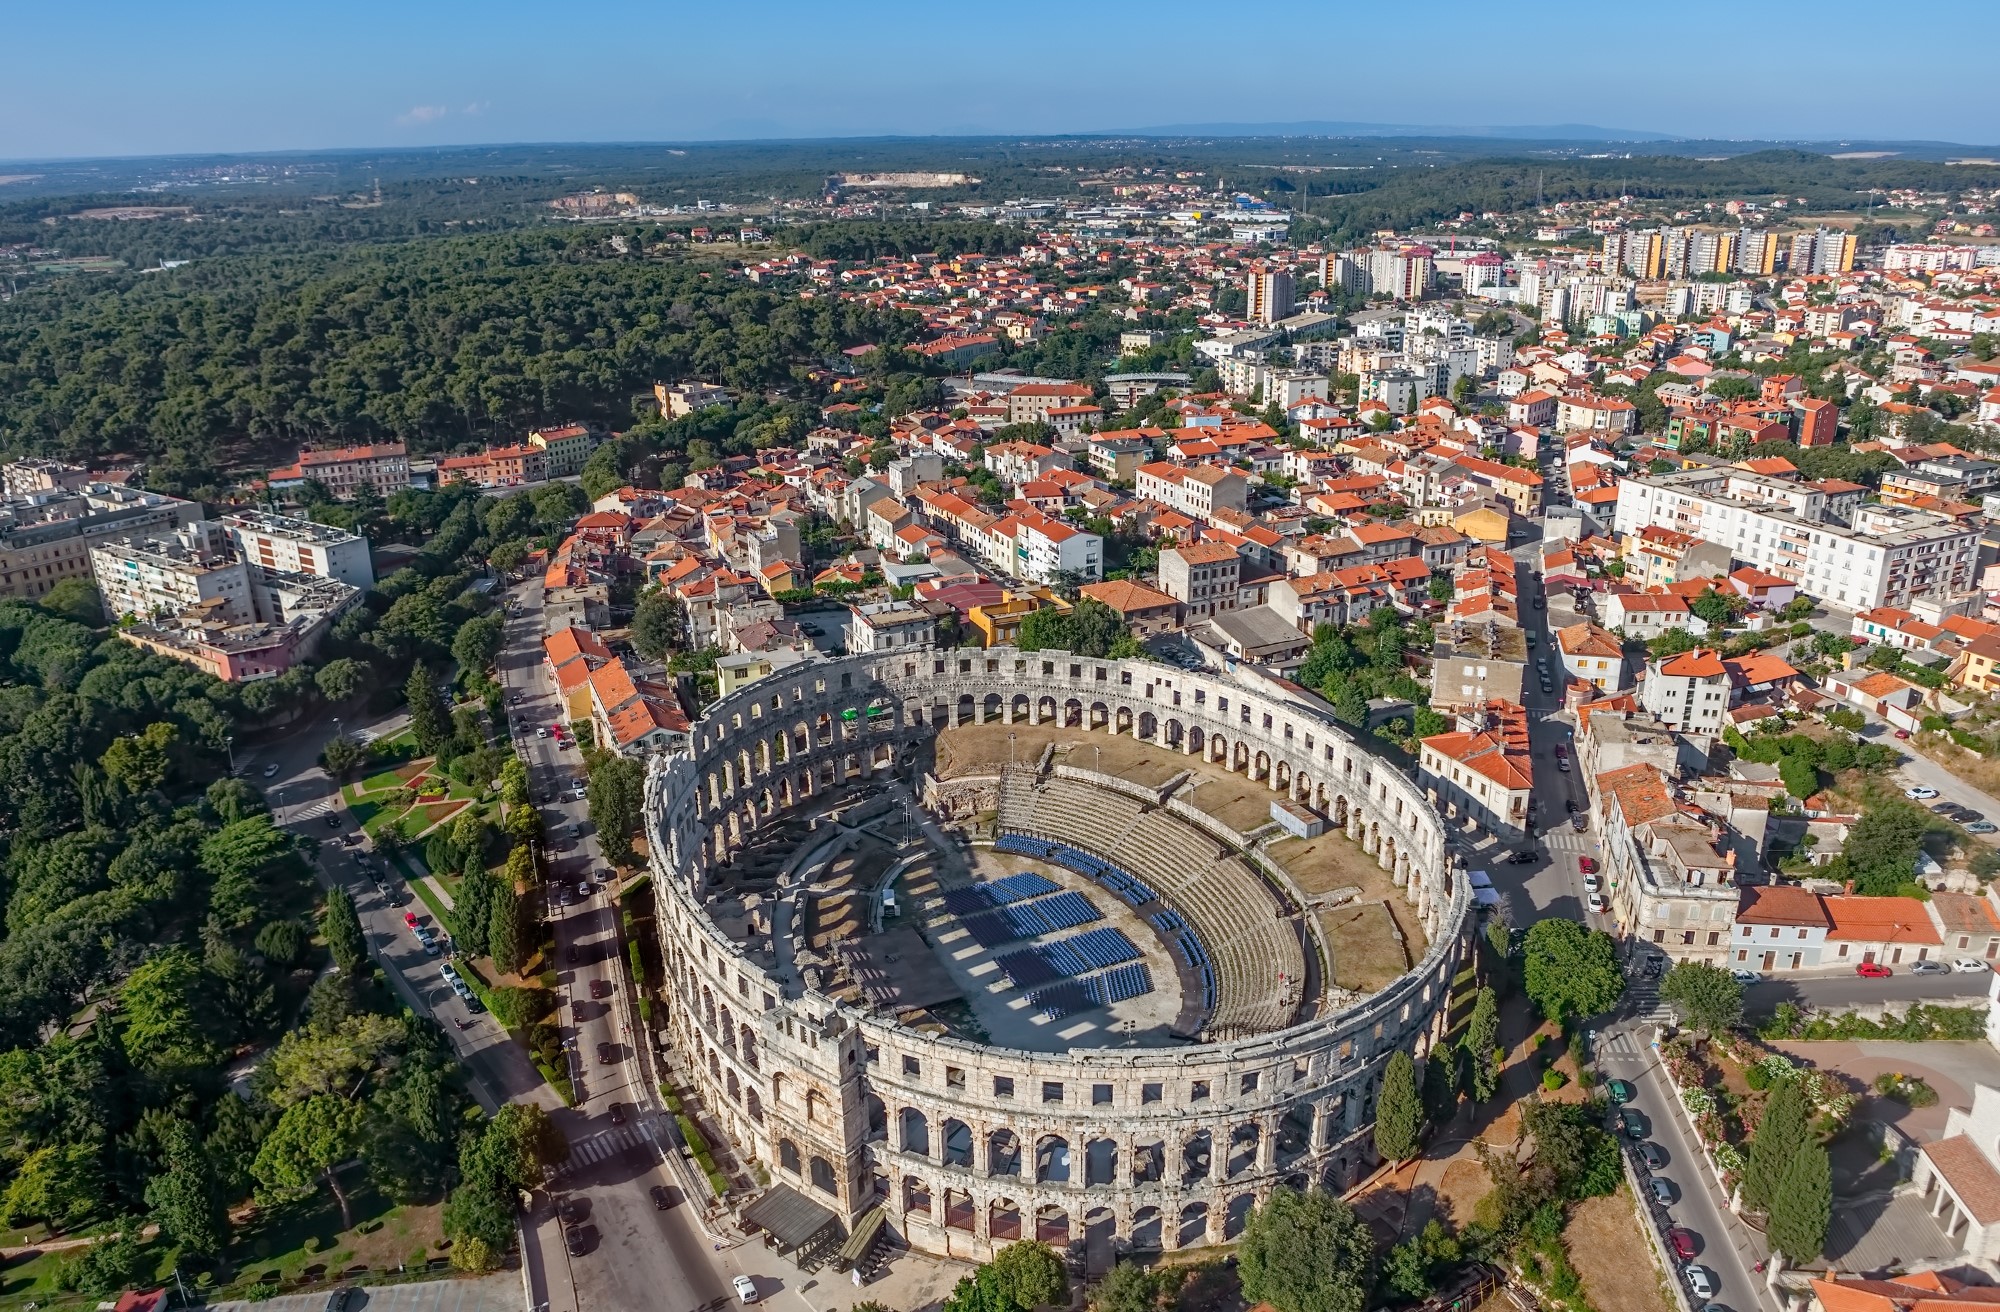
1003, 1015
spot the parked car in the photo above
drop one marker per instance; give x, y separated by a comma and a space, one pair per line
606, 1055
1982, 827
577, 1240
1902, 733
1873, 970
1747, 976
1632, 1122
1619, 1090
1920, 794
1562, 752
410, 919
1593, 883
1970, 965
270, 769
1683, 1242
1579, 822
600, 988
1929, 968
1598, 903
663, 1197
746, 1288
338, 1299
1587, 864
1965, 815
1701, 1282
1663, 1193
1522, 858
618, 1113
1655, 1157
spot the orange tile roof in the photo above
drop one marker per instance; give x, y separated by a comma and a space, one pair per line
1641, 792
1971, 1177
1125, 596
1701, 663
1880, 920
1780, 904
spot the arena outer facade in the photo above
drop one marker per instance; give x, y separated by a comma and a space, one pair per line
834, 1100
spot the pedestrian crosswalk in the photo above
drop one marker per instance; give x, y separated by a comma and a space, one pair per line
314, 809
1627, 1044
609, 1143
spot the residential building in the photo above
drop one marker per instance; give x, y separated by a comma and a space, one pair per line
889, 626
500, 466
569, 655
1204, 577
566, 448
678, 400
1269, 294
632, 717
1146, 611
1015, 463
1688, 692
190, 571
1673, 883
998, 623
1779, 927
1477, 663
1893, 931
741, 668
383, 467
1646, 615
1593, 655
1886, 556
1482, 776
1197, 492
300, 546
46, 532
1255, 634
1030, 403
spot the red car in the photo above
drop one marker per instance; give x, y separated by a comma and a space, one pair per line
1873, 970
410, 919
1587, 864
1683, 1243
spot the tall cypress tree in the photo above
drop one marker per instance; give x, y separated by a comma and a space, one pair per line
1803, 1205
1399, 1111
341, 928
429, 721
1780, 1136
504, 936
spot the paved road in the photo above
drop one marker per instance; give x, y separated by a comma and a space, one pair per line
499, 1292
1722, 1244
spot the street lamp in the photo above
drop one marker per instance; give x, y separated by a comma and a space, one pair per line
229, 750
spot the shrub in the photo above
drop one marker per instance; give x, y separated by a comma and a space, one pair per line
1552, 1079
1910, 1090
1757, 1078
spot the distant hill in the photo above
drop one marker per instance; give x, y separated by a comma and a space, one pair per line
1315, 128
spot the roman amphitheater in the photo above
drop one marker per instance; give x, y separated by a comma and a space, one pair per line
979, 946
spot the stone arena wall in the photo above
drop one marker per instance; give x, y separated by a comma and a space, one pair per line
968, 1146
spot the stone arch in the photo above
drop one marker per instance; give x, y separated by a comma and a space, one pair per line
1197, 740
1238, 1215
1003, 1219
788, 1157
1175, 734
1149, 725
1052, 1225
822, 1175
1100, 1226
913, 1132
877, 1113
916, 1195
1072, 713
749, 1044
1003, 1153
754, 1105
815, 1105
1122, 721
734, 1087
1281, 775
958, 1210
1239, 762
1243, 1143
1045, 708
1099, 715
1100, 1162
990, 707
1260, 765
1052, 1165
955, 1140
714, 1065
964, 712
1193, 1226
1148, 1229
1018, 707
1197, 1157
708, 1006
1149, 1162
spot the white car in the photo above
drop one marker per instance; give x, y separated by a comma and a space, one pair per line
1920, 794
1597, 903
1593, 883
270, 769
746, 1289
1747, 977
1701, 1282
1972, 965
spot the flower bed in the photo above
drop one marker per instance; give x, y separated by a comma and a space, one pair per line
1708, 1080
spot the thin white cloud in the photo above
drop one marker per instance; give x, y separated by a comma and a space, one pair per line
422, 114
477, 107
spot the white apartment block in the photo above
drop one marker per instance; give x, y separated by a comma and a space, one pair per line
1888, 555
1197, 491
1032, 546
383, 467
50, 517
1205, 577
299, 546
1689, 692
193, 570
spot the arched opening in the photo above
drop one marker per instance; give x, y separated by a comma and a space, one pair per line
1100, 1226
1072, 716
1295, 1134
1149, 725
815, 1105
916, 1195
822, 1176
958, 1210
1003, 1219
754, 1105
1149, 1162
1193, 1227
878, 1116
1100, 715
1052, 1160
1148, 1230
915, 1132
1100, 1162
1195, 1156
957, 1143
1238, 1215
735, 1089
788, 1157
1243, 1142
1052, 1225
1003, 1153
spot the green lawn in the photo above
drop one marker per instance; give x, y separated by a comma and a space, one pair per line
36, 1280
304, 1245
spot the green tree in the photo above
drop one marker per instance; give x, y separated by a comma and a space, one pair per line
1307, 1253
1801, 779
477, 644
342, 679
342, 756
1030, 1274
1410, 1270
185, 1197
58, 1183
283, 942
160, 1004
514, 781
311, 1139
1441, 1079
429, 721
1129, 1287
75, 599
506, 936
1399, 1111
980, 1292
1881, 850
1482, 1038
656, 625
1705, 996
1570, 971
617, 798
140, 762
1802, 1206
1781, 1134
340, 926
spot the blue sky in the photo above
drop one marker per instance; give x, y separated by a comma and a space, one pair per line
117, 77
